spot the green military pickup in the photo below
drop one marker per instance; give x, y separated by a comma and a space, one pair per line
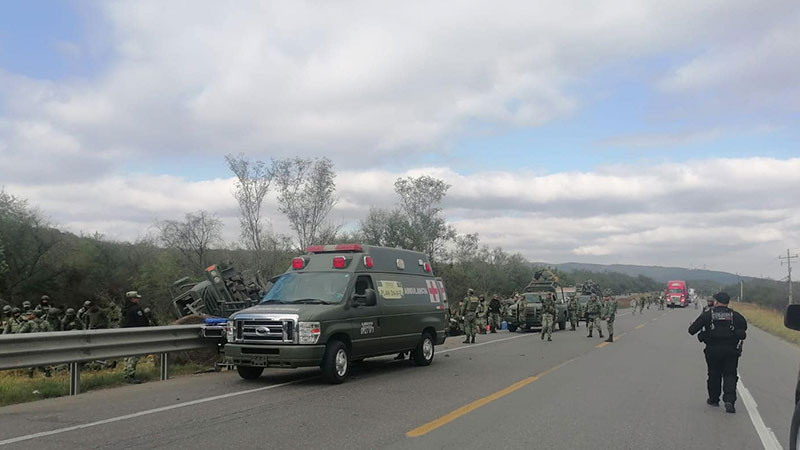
531, 315
338, 304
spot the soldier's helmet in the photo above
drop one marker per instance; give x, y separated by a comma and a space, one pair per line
470, 291
26, 305
495, 297
44, 298
147, 311
7, 309
53, 311
70, 312
87, 304
16, 311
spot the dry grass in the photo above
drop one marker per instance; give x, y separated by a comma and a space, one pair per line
768, 320
17, 387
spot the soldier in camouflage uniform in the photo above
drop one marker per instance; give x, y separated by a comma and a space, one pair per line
54, 317
609, 313
70, 321
662, 303
96, 318
548, 316
14, 322
5, 317
634, 304
482, 313
572, 311
151, 319
641, 305
468, 312
521, 312
81, 314
26, 307
114, 313
35, 324
495, 314
593, 312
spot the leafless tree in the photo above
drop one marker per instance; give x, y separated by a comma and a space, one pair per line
193, 237
306, 194
253, 182
420, 200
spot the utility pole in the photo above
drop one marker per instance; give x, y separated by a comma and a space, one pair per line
741, 290
788, 259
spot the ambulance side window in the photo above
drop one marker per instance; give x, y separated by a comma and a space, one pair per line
363, 282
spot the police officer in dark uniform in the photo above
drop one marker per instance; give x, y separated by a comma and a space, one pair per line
723, 332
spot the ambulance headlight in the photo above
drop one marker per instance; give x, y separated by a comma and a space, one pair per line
308, 332
230, 334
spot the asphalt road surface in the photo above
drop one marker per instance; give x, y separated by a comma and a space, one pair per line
511, 390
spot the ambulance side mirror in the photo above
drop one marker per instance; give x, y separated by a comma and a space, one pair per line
370, 298
792, 317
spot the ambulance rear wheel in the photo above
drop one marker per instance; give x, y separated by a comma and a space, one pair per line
423, 353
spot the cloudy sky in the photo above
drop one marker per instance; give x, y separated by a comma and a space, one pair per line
645, 132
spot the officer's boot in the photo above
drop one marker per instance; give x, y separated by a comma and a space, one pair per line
600, 332
473, 339
466, 341
610, 337
590, 334
542, 334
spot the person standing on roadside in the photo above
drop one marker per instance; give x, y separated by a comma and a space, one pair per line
133, 317
572, 311
593, 312
495, 313
609, 313
723, 331
548, 315
469, 313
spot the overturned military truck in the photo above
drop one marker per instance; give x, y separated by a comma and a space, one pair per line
222, 293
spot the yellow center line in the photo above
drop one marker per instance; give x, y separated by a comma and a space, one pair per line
639, 326
466, 409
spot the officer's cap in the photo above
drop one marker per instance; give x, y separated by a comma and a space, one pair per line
132, 294
470, 291
722, 297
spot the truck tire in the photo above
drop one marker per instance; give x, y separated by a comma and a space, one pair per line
336, 362
512, 328
423, 353
249, 372
795, 428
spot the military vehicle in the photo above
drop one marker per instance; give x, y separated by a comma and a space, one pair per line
221, 294
531, 316
338, 304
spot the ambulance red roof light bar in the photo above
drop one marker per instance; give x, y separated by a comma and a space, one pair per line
368, 262
335, 248
339, 262
298, 263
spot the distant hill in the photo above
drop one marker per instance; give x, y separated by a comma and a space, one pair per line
657, 273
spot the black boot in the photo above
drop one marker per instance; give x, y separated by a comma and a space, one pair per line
610, 337
549, 339
712, 402
729, 408
590, 335
473, 339
466, 341
601, 335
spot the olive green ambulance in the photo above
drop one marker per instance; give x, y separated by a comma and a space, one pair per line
338, 304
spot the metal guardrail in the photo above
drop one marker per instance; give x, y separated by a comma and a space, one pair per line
75, 347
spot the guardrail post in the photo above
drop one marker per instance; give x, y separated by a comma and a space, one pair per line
74, 378
164, 357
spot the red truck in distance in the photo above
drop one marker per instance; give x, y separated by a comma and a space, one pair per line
677, 294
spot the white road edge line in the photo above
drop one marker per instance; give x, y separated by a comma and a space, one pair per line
487, 343
146, 412
768, 438
202, 400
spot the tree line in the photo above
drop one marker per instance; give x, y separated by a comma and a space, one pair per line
36, 258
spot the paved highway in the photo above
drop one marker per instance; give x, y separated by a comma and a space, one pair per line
645, 391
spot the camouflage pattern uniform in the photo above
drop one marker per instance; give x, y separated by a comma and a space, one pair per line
70, 321
151, 319
96, 318
495, 314
641, 305
548, 316
114, 313
5, 317
593, 312
81, 314
14, 322
54, 317
572, 311
468, 312
609, 314
35, 324
521, 312
482, 313
634, 304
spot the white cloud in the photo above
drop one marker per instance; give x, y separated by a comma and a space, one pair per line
700, 212
366, 82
